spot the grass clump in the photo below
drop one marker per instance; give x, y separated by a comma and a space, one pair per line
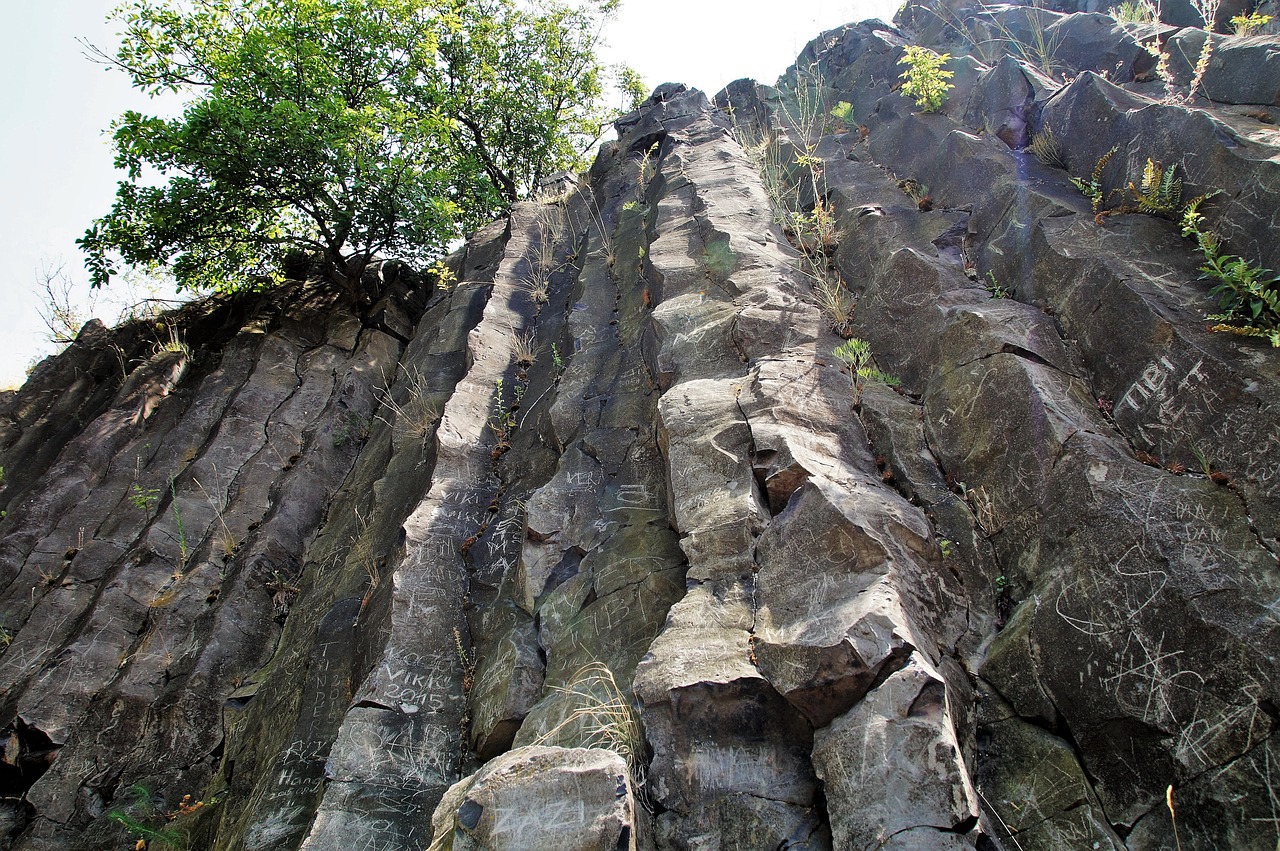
836, 303
600, 716
1045, 147
796, 185
1134, 12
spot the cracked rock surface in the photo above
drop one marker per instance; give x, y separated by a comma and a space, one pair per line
601, 546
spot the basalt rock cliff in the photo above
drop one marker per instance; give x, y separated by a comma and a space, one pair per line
607, 544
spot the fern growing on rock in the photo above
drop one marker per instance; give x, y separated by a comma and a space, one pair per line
1248, 295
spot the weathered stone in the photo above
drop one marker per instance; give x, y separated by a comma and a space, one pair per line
1039, 793
892, 764
831, 622
1002, 103
542, 797
1091, 115
508, 679
287, 798
1240, 70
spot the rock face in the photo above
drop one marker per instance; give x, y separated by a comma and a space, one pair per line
603, 546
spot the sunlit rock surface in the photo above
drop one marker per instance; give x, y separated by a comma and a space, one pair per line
600, 547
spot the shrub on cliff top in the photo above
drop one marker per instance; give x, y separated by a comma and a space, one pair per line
340, 127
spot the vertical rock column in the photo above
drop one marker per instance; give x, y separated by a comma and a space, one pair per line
195, 494
810, 582
284, 720
400, 744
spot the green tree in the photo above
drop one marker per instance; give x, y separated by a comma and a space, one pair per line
344, 128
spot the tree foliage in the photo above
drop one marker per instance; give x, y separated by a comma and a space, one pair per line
345, 128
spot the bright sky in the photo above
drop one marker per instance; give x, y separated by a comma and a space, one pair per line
55, 162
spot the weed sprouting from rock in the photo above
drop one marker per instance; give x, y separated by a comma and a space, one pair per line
599, 715
1045, 147
924, 80
1092, 188
856, 355
1245, 24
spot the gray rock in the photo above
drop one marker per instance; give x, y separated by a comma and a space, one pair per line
542, 797
892, 764
604, 529
1240, 70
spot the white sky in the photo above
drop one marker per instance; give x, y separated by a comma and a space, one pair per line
55, 161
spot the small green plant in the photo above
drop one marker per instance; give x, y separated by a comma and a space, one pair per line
556, 360
925, 81
814, 232
177, 522
1134, 12
467, 660
993, 287
502, 422
918, 192
1092, 189
1248, 295
1202, 460
843, 112
143, 819
1001, 583
946, 547
143, 499
856, 355
444, 277
354, 429
1160, 193
1245, 24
